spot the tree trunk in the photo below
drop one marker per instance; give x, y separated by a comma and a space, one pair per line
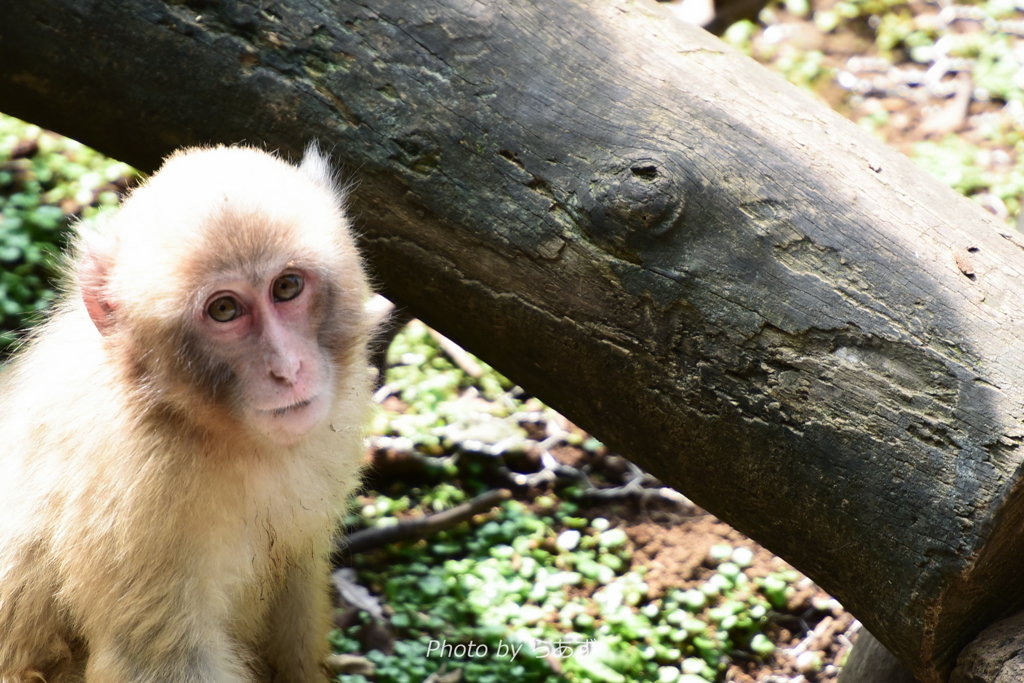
689, 257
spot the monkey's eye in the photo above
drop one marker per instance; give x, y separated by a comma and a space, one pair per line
224, 309
287, 287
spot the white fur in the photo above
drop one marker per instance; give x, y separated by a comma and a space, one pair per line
169, 554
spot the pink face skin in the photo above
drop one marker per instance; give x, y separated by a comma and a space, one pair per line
268, 336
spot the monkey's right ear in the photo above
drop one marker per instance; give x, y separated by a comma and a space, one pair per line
95, 259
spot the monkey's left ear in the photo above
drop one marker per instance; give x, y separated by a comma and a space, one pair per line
95, 258
317, 167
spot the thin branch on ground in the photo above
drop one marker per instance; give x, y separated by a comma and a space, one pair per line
457, 354
416, 527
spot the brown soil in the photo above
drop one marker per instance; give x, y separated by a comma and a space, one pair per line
672, 539
674, 545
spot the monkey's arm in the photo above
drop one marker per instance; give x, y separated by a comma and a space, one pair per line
156, 614
299, 623
128, 657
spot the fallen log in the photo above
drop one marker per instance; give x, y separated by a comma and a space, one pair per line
716, 275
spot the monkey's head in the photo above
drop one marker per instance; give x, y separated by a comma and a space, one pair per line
228, 289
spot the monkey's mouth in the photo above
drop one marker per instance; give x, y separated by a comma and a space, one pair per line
288, 423
279, 412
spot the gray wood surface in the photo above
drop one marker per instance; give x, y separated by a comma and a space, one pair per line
870, 662
995, 656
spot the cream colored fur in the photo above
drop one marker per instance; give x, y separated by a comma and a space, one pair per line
135, 550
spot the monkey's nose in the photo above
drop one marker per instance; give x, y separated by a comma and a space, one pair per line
285, 370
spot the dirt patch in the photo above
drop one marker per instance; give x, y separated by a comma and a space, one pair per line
674, 547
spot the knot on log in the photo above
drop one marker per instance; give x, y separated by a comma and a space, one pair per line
634, 205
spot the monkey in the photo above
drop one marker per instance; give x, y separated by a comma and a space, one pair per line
179, 437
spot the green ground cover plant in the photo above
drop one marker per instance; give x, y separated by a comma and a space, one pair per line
537, 590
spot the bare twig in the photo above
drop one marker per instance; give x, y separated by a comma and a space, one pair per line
458, 355
416, 527
350, 664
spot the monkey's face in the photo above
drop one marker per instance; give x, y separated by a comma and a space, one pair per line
264, 328
230, 293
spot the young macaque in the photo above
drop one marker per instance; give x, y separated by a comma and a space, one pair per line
178, 439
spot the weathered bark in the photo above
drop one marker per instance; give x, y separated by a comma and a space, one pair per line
716, 275
995, 656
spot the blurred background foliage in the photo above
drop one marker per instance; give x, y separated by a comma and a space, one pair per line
46, 182
941, 81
